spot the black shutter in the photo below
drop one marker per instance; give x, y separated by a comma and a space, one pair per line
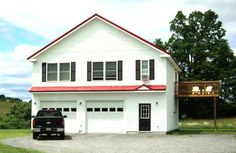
89, 71
151, 69
44, 69
137, 69
73, 67
120, 73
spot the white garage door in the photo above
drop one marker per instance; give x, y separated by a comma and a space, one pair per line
68, 108
105, 116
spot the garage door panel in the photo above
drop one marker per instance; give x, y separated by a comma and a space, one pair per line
105, 116
68, 108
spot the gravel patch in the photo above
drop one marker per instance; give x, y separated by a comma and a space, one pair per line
129, 143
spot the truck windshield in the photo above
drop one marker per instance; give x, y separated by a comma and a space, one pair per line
48, 113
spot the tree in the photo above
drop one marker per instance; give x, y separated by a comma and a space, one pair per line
160, 43
19, 117
199, 46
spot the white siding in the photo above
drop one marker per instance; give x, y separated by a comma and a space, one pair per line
172, 104
98, 41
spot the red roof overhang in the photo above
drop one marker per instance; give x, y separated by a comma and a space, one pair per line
98, 88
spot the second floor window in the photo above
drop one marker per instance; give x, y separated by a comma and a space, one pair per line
144, 67
97, 70
64, 71
104, 70
58, 71
52, 72
111, 71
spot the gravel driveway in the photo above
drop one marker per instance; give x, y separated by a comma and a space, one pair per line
135, 143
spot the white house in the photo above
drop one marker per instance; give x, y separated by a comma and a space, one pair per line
106, 80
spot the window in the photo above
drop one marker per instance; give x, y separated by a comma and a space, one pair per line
104, 109
96, 109
111, 71
64, 72
73, 109
144, 112
66, 109
52, 72
59, 109
144, 67
112, 109
97, 70
119, 109
89, 109
58, 71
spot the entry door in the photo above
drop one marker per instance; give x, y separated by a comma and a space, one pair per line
144, 117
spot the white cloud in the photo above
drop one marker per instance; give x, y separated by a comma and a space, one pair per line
149, 19
16, 71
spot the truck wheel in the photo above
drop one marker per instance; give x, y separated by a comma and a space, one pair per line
35, 135
62, 135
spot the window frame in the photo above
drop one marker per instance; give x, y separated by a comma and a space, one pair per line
92, 71
59, 72
104, 71
116, 70
141, 67
47, 72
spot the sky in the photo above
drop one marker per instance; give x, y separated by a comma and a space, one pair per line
28, 25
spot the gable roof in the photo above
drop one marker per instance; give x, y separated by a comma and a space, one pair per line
166, 53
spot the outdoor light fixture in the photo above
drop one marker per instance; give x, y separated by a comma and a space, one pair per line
157, 103
80, 103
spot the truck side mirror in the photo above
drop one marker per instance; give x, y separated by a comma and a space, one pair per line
64, 116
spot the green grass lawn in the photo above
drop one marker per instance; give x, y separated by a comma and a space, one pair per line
206, 126
224, 123
9, 149
11, 133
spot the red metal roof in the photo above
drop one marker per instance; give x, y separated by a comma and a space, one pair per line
96, 88
112, 23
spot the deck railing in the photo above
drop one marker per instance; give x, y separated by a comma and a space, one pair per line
197, 89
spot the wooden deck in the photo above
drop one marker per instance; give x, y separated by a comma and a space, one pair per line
197, 89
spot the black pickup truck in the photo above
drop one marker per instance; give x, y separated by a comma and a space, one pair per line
48, 122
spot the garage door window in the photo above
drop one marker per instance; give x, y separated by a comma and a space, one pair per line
104, 109
119, 109
89, 109
73, 109
112, 109
59, 109
96, 109
66, 109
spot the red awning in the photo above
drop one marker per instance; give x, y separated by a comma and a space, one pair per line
98, 88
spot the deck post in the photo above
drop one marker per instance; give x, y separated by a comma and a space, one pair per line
215, 125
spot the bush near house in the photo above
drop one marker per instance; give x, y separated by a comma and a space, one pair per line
16, 114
